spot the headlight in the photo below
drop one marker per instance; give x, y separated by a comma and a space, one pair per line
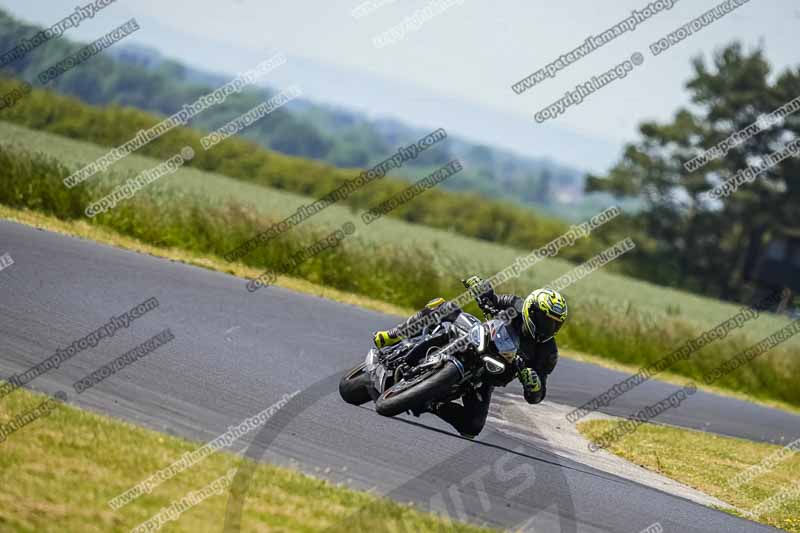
477, 337
493, 366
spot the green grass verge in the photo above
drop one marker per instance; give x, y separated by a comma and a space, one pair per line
709, 462
59, 472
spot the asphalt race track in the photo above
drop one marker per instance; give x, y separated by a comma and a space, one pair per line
235, 353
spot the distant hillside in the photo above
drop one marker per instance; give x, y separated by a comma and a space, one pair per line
145, 79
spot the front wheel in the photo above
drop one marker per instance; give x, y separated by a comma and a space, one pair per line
415, 393
354, 386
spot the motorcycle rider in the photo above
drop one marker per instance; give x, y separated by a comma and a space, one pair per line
536, 321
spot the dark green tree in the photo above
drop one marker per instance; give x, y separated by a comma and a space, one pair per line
710, 245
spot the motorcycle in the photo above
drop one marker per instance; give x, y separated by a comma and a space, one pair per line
440, 364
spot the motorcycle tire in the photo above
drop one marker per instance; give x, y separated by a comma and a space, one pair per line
354, 386
408, 396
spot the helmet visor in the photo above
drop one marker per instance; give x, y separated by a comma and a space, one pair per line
546, 327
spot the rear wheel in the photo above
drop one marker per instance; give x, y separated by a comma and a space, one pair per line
415, 393
354, 386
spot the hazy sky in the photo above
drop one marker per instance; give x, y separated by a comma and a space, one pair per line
469, 54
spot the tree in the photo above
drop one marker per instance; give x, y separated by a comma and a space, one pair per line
710, 244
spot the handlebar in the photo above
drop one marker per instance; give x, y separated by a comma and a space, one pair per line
483, 301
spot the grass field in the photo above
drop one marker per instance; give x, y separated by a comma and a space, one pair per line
612, 316
59, 472
710, 462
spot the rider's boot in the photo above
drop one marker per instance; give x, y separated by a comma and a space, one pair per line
387, 338
396, 334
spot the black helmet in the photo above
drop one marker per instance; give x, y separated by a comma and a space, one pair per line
543, 313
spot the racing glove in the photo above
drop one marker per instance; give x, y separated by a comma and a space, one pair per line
472, 282
531, 385
483, 293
